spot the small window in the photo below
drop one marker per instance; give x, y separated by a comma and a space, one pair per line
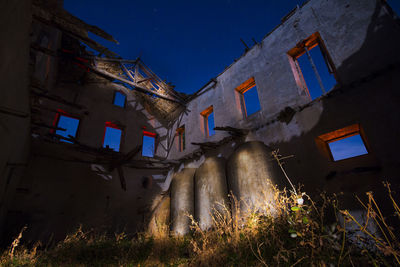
312, 67
112, 136
67, 122
208, 120
148, 147
119, 99
180, 132
345, 143
249, 100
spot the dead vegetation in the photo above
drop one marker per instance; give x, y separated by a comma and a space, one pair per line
296, 232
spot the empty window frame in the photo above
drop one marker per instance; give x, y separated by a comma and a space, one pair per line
312, 67
249, 101
208, 121
119, 99
112, 136
180, 132
67, 125
148, 146
344, 143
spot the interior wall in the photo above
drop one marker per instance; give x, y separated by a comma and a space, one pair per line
15, 22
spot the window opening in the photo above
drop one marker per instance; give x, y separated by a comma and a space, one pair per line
313, 67
67, 122
112, 136
208, 120
181, 138
119, 99
148, 147
249, 100
345, 143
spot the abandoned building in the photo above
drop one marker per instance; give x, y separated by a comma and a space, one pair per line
102, 141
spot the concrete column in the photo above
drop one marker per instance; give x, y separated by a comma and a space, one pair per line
249, 172
211, 193
182, 201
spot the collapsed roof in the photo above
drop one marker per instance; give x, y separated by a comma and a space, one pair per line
76, 64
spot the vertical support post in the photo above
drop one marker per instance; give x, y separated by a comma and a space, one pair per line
315, 70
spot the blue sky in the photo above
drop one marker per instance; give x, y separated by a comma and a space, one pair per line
185, 42
112, 138
347, 148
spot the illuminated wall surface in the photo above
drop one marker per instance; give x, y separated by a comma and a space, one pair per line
69, 124
348, 147
112, 138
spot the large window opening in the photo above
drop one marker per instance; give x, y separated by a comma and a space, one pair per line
119, 99
67, 126
112, 136
249, 100
208, 120
312, 67
180, 132
148, 147
344, 143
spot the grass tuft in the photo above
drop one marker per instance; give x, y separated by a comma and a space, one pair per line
294, 231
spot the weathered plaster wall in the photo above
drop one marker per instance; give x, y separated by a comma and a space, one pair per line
15, 21
362, 39
65, 185
55, 197
350, 30
58, 192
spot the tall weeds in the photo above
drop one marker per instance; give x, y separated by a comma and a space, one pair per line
293, 232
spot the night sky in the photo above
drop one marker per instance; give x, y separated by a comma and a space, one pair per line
190, 42
185, 42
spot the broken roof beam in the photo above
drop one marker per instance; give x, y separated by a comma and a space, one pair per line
106, 59
140, 89
61, 14
157, 79
71, 27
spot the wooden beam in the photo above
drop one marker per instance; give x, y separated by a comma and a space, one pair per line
13, 112
140, 89
57, 99
39, 124
121, 177
232, 130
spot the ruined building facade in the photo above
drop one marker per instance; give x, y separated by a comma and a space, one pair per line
177, 153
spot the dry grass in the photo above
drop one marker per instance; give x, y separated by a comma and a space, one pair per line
296, 232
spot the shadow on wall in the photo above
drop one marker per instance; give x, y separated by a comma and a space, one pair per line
380, 47
68, 194
368, 95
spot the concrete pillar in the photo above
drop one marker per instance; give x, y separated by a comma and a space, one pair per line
211, 193
160, 220
249, 173
182, 201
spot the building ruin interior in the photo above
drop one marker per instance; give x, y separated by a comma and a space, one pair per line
97, 140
